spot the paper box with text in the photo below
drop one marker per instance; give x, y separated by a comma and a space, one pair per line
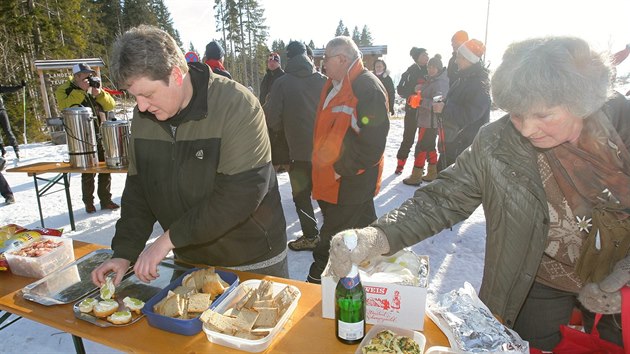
395, 290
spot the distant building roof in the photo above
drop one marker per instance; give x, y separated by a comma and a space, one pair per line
371, 50
66, 63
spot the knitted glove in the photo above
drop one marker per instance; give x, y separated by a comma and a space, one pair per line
605, 297
619, 277
598, 301
371, 242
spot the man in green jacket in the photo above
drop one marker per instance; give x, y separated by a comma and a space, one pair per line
83, 89
199, 165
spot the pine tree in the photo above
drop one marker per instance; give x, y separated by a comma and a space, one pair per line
341, 29
356, 35
164, 20
138, 12
366, 37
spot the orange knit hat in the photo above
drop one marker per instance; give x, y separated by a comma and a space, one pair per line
472, 50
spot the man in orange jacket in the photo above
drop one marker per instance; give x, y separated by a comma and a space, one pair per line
349, 140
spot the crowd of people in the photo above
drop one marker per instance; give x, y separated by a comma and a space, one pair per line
205, 152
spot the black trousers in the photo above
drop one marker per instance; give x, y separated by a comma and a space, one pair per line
104, 182
104, 186
300, 176
5, 189
338, 218
6, 127
409, 133
545, 309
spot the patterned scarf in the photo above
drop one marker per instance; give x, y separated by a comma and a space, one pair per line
574, 177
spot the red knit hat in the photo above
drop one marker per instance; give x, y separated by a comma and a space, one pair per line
472, 50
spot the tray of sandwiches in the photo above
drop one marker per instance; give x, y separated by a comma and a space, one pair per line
178, 306
115, 306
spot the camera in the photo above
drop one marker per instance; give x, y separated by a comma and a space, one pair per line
94, 81
438, 98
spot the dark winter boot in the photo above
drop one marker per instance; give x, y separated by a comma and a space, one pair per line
416, 177
431, 173
400, 166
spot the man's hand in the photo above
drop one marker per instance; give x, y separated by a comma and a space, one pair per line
116, 265
371, 242
146, 265
605, 297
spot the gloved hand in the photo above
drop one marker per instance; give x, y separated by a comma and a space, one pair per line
619, 277
605, 297
371, 242
598, 301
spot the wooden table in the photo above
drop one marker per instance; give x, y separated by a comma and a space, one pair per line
63, 171
305, 332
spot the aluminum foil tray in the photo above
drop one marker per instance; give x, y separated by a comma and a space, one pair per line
133, 287
69, 283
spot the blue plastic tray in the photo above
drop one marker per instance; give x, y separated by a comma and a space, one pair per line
186, 327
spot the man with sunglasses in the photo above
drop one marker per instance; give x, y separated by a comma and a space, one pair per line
351, 129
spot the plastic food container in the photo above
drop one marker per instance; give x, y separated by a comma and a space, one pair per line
250, 345
416, 336
186, 327
39, 267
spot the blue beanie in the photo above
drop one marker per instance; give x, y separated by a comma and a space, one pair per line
214, 51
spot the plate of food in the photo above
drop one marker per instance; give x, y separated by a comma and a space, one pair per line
387, 339
115, 306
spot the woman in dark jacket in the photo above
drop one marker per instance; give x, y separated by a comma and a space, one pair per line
538, 172
467, 106
380, 70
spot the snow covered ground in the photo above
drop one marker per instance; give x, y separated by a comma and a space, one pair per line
455, 256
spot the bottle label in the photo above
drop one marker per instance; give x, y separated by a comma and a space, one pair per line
350, 282
351, 331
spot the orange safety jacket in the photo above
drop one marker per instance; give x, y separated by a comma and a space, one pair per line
331, 126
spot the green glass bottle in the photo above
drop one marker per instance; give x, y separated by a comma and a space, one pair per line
350, 302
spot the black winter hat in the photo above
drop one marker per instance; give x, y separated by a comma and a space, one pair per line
295, 48
214, 51
415, 52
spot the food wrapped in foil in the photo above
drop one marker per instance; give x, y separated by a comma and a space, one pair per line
470, 326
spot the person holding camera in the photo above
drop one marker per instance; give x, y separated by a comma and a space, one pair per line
83, 89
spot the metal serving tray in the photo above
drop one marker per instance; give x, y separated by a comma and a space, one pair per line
69, 283
133, 287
